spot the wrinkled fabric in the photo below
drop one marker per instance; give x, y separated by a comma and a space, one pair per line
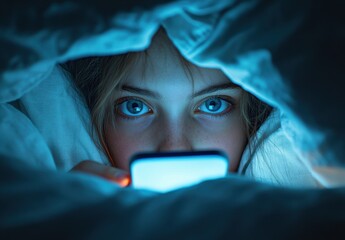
288, 53
215, 35
86, 207
270, 157
275, 58
61, 116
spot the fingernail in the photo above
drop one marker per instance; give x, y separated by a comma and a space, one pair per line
120, 177
124, 182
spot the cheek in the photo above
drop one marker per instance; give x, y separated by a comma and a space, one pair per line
126, 139
233, 146
230, 138
226, 135
122, 145
120, 149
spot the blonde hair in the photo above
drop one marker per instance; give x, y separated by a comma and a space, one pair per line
97, 78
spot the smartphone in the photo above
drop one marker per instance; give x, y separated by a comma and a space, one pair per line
167, 171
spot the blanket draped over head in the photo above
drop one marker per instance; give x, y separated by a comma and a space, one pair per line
289, 54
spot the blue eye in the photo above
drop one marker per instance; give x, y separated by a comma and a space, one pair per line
215, 106
132, 108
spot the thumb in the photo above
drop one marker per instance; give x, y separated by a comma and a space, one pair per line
116, 175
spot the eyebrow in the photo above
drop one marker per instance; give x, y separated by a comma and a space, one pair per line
207, 90
215, 88
140, 91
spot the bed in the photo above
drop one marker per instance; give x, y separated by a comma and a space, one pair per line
289, 54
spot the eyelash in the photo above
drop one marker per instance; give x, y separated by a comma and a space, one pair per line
227, 99
127, 117
226, 112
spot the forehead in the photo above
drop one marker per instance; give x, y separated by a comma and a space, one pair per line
161, 64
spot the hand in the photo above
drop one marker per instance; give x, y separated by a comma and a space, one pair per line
112, 174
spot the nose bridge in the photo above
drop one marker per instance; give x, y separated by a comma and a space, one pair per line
175, 137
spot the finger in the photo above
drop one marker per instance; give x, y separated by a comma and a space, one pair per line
115, 175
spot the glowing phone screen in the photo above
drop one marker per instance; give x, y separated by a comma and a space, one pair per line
164, 172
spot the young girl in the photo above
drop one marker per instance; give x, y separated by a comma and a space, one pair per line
155, 100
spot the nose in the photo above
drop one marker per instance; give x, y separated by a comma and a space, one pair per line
174, 140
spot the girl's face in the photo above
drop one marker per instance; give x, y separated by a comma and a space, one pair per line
158, 109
